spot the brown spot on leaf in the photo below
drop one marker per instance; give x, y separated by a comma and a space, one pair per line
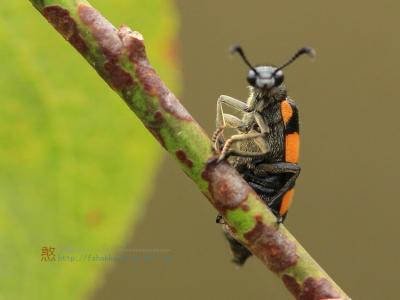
173, 50
317, 289
227, 188
147, 76
292, 285
111, 45
93, 218
273, 247
181, 155
65, 25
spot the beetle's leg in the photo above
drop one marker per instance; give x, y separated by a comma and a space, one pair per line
219, 219
277, 168
216, 138
257, 136
227, 151
261, 123
230, 121
281, 219
232, 102
224, 120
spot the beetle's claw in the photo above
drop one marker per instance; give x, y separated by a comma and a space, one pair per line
220, 219
218, 159
221, 158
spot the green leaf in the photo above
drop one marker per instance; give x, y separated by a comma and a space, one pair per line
75, 164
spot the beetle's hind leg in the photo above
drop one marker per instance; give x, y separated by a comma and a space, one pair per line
278, 168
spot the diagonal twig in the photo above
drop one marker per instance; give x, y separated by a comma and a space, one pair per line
118, 55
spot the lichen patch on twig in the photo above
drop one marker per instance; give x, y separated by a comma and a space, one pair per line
181, 155
274, 248
147, 76
228, 190
103, 31
111, 45
311, 288
62, 21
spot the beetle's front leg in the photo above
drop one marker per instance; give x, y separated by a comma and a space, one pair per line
227, 151
226, 120
258, 137
230, 122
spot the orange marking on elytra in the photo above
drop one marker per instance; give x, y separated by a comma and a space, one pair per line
292, 148
286, 111
286, 202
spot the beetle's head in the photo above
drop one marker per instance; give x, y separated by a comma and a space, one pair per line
267, 77
264, 77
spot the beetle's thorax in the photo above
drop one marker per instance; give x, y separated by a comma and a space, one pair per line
268, 105
261, 98
272, 116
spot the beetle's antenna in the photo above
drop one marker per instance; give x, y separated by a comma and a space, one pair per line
239, 50
305, 50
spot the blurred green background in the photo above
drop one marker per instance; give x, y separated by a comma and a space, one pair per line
76, 166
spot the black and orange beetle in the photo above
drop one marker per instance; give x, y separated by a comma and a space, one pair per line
265, 150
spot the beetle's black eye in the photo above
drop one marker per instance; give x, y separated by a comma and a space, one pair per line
251, 78
278, 78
